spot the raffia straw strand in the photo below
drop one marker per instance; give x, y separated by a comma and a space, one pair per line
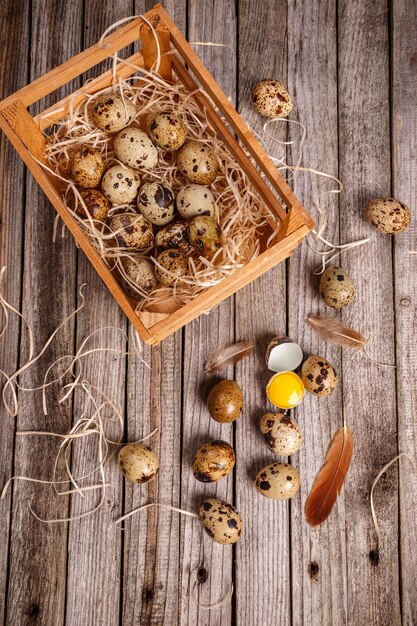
168, 507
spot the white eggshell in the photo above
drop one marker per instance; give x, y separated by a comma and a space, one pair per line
120, 184
283, 355
134, 148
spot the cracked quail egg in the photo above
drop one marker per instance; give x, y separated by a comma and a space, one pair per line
204, 233
318, 376
194, 200
174, 235
166, 130
87, 167
214, 460
337, 288
120, 184
174, 262
111, 113
281, 433
138, 463
141, 272
388, 215
283, 354
132, 231
221, 521
134, 148
96, 204
197, 162
279, 481
271, 99
156, 202
225, 401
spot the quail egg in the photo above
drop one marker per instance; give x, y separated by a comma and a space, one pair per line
194, 200
204, 234
388, 215
214, 460
279, 481
156, 202
138, 463
166, 130
225, 401
96, 204
120, 184
283, 354
140, 272
221, 521
111, 113
318, 376
87, 167
132, 231
134, 148
174, 262
337, 288
197, 162
174, 235
271, 99
281, 433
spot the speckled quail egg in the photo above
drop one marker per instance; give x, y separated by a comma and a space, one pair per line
197, 162
318, 376
120, 184
204, 234
96, 204
214, 460
141, 272
225, 401
281, 433
174, 262
132, 231
271, 99
174, 235
166, 130
283, 354
111, 113
87, 167
156, 202
388, 215
134, 148
221, 521
193, 200
337, 288
279, 481
138, 463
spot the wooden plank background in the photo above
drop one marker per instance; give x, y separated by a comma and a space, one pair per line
351, 67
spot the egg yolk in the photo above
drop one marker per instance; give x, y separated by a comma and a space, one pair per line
285, 390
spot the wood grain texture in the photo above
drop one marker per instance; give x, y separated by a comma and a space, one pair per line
318, 598
263, 577
215, 22
404, 169
12, 198
369, 394
38, 552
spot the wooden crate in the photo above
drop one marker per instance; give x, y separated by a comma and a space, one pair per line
25, 133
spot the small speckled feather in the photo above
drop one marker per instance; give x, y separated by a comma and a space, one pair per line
331, 329
329, 480
228, 355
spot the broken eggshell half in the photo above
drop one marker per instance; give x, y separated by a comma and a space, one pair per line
283, 355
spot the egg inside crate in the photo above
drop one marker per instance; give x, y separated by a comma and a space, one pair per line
283, 354
111, 113
194, 200
120, 184
197, 162
174, 235
174, 265
132, 231
96, 204
140, 272
204, 233
166, 130
134, 148
87, 167
156, 202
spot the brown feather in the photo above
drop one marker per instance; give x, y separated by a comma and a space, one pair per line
330, 478
228, 355
332, 329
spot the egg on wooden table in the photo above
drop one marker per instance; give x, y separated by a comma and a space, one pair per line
197, 162
138, 463
319, 376
225, 401
221, 521
96, 204
111, 113
337, 288
120, 184
174, 235
214, 460
174, 266
281, 433
388, 215
156, 202
278, 481
134, 148
132, 231
205, 235
194, 200
87, 167
271, 99
166, 130
141, 272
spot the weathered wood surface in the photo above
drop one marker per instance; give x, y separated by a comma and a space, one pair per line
351, 67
